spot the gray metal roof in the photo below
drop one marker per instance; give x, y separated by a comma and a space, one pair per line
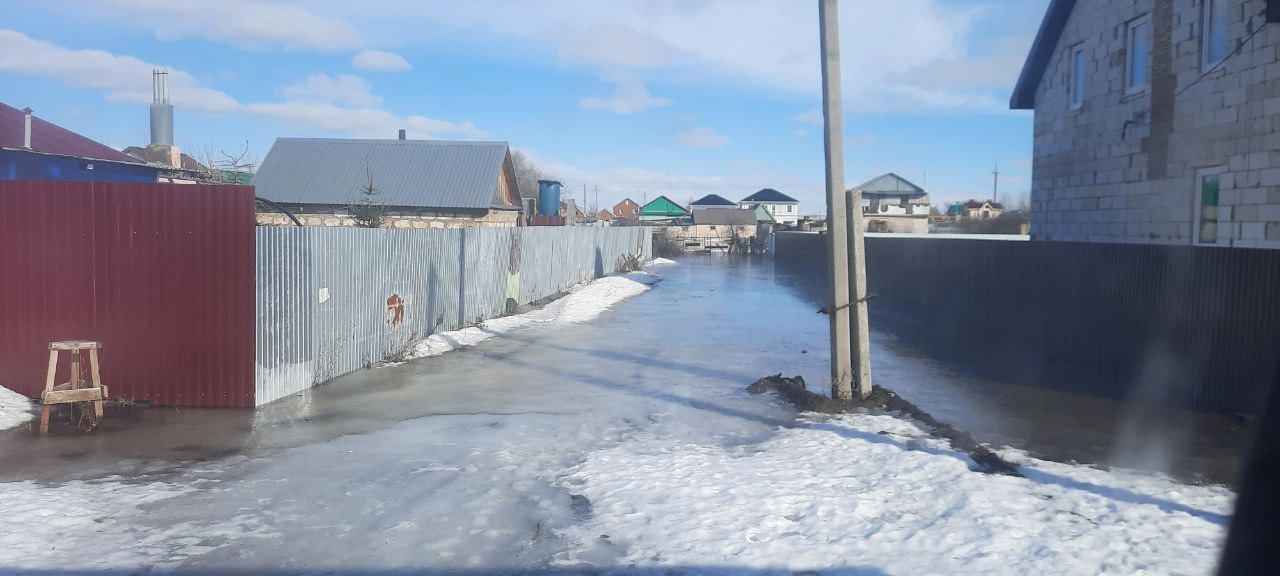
418, 173
890, 184
725, 216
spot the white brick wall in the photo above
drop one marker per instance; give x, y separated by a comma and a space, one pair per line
1093, 176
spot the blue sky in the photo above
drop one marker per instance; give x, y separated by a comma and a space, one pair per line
636, 98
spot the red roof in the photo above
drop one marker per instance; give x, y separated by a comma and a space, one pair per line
53, 139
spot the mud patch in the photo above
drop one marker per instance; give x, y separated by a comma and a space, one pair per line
793, 391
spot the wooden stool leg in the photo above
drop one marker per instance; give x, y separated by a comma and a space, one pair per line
97, 382
48, 387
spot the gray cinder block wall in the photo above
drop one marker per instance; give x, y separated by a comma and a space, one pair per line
1124, 167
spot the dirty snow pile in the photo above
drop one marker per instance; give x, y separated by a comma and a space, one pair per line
581, 304
15, 409
657, 261
872, 491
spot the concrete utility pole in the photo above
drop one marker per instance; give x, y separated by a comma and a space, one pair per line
995, 183
837, 241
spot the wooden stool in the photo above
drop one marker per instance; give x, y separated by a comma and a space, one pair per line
72, 391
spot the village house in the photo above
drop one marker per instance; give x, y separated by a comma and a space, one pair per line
662, 209
783, 208
626, 210
421, 183
32, 148
723, 228
891, 203
1156, 121
604, 216
974, 209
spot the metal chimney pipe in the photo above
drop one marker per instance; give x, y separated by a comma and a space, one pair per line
161, 109
402, 133
26, 128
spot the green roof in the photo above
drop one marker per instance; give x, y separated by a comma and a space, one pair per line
663, 207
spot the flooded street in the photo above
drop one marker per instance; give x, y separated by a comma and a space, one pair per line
477, 459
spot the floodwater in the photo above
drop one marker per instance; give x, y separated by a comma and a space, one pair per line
727, 320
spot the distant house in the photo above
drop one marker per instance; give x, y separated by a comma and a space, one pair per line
34, 149
662, 209
762, 214
712, 201
422, 183
783, 208
605, 216
578, 215
715, 229
974, 209
626, 210
891, 203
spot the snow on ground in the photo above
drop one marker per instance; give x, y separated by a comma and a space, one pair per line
15, 409
872, 491
659, 260
583, 303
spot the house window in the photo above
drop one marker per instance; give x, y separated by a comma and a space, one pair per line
1077, 76
1206, 207
1138, 70
1213, 35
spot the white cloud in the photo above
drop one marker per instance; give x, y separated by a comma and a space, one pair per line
380, 61
702, 139
801, 134
343, 89
324, 117
121, 78
812, 117
629, 96
890, 49
247, 24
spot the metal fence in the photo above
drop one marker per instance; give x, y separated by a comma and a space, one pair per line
1189, 326
334, 300
160, 274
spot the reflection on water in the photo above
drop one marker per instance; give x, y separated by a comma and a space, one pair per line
1048, 423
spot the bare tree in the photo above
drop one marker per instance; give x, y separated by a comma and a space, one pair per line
367, 211
527, 174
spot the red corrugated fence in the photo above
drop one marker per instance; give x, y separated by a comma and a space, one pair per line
161, 274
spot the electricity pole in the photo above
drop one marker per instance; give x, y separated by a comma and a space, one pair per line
837, 241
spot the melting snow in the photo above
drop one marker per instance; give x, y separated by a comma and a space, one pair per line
657, 261
15, 409
582, 303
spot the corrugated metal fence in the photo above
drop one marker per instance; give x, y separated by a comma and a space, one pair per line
1194, 327
159, 273
334, 300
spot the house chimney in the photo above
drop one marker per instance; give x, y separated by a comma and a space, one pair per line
26, 128
402, 133
161, 109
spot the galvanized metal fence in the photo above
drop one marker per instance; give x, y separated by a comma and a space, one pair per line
334, 300
1189, 326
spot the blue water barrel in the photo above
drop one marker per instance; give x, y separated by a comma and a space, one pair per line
549, 197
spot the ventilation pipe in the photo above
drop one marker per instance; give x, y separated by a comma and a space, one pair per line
161, 109
402, 133
26, 128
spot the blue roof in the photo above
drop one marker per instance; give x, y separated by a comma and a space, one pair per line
713, 200
769, 195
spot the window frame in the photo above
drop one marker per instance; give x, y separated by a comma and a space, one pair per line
1206, 17
1076, 75
1130, 38
1197, 205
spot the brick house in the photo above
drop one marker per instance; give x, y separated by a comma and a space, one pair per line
626, 210
1156, 121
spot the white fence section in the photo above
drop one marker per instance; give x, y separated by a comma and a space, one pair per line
334, 300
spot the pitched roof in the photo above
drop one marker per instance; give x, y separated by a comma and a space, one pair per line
605, 215
416, 173
713, 200
724, 216
50, 138
769, 195
663, 206
975, 204
890, 184
1055, 19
